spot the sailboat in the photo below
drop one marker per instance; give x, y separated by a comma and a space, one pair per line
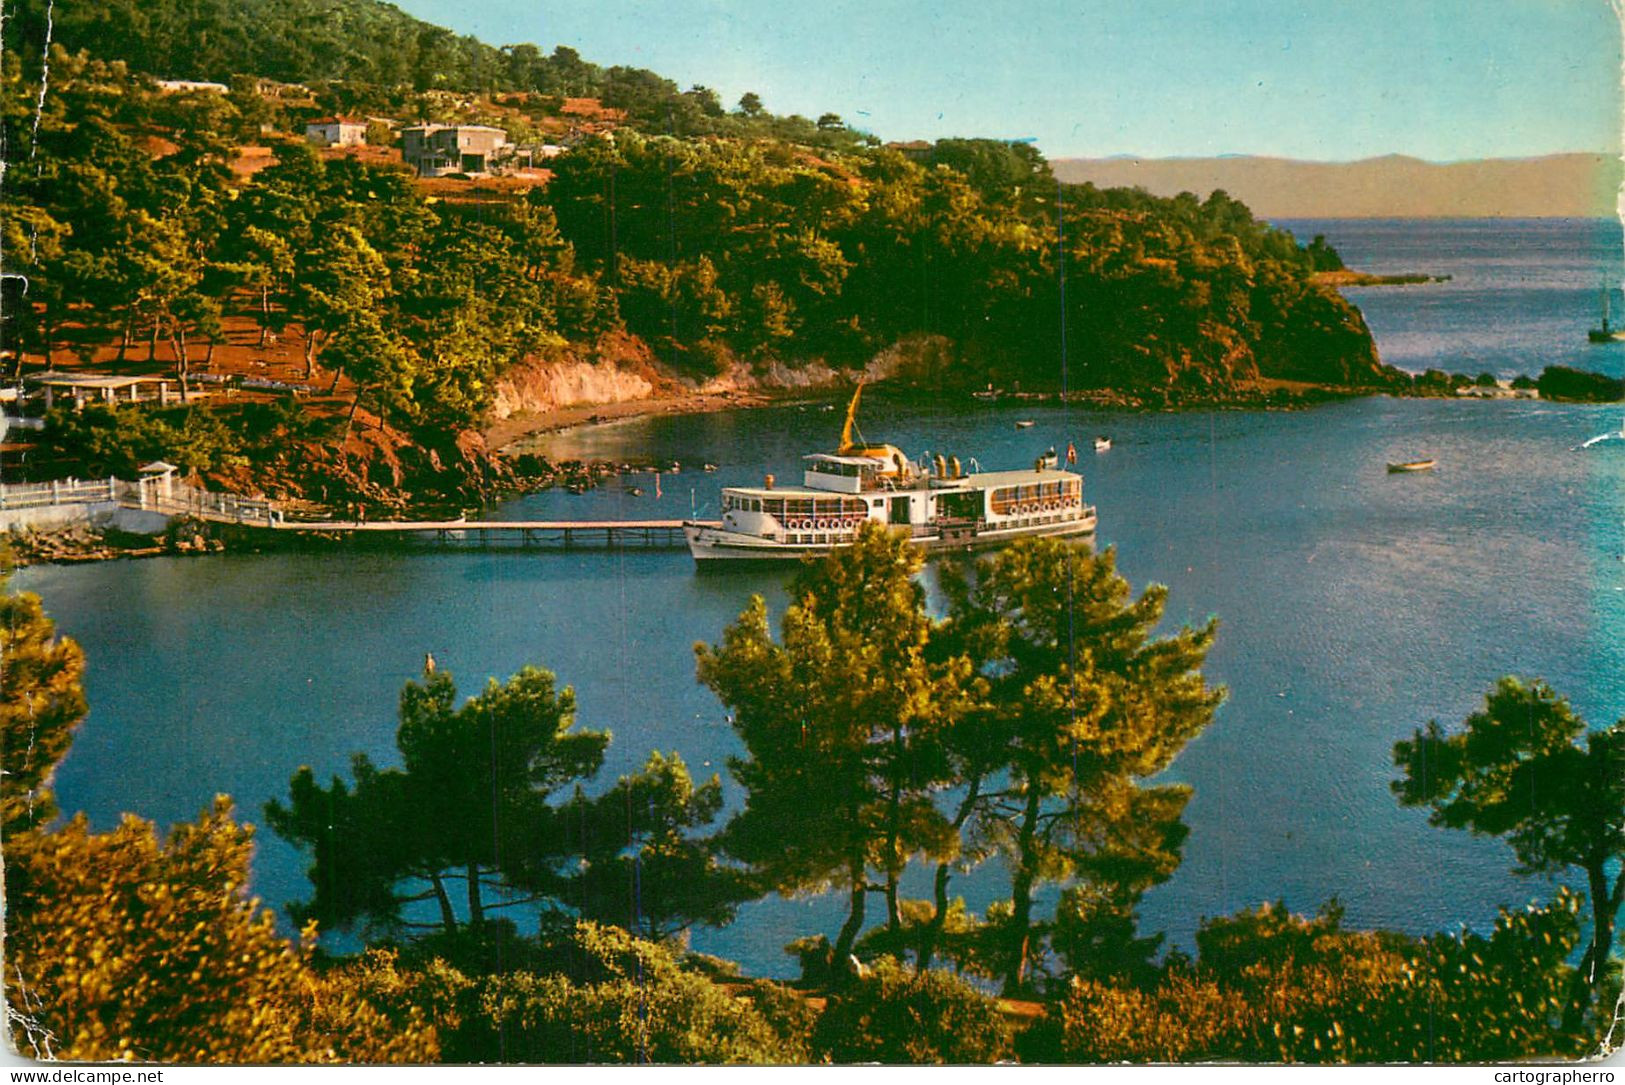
1607, 333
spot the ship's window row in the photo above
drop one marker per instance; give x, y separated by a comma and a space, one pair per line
798, 508
1010, 499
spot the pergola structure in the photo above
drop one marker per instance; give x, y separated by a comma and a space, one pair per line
107, 387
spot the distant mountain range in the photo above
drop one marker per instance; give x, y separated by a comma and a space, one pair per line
1394, 186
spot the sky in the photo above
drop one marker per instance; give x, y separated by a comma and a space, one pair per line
1322, 79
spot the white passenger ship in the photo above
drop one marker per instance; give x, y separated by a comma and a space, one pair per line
937, 504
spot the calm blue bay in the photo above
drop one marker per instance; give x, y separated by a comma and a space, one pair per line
1354, 605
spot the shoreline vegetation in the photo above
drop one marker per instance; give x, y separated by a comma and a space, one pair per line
342, 332
1013, 737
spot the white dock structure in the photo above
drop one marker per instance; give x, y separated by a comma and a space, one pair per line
157, 497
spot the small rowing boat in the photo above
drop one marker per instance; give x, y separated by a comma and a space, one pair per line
1412, 465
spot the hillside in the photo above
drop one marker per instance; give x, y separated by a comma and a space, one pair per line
195, 231
1393, 186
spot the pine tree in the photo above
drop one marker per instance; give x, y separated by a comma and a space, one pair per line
41, 703
841, 723
642, 867
1085, 706
470, 804
1526, 769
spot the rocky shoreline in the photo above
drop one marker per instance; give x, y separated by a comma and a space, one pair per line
521, 472
1347, 277
84, 543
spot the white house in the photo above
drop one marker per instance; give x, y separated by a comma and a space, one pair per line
435, 150
337, 132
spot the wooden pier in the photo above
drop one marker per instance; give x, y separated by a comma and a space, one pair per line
557, 534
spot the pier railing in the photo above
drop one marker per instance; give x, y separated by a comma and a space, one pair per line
33, 495
184, 500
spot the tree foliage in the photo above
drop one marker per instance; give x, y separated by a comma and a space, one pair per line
420, 306
42, 702
713, 237
1085, 706
122, 948
595, 994
753, 246
642, 866
1526, 769
476, 820
470, 804
839, 723
1274, 987
628, 1001
894, 1015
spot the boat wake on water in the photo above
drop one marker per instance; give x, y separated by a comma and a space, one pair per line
1616, 435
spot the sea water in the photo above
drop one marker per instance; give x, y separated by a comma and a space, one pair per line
1354, 605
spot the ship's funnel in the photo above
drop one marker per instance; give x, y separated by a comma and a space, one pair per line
954, 466
942, 466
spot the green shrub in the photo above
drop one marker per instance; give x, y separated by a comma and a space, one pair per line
1271, 986
621, 1000
897, 1015
788, 1014
668, 1018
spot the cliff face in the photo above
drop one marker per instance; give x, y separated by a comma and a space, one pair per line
618, 368
622, 369
538, 387
1296, 332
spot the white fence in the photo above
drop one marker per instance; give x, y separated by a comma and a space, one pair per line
154, 495
30, 495
182, 499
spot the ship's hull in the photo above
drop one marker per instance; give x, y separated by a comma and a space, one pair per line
708, 543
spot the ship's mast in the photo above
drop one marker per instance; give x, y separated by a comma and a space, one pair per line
851, 416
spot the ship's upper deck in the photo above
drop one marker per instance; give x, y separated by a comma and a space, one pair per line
981, 480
